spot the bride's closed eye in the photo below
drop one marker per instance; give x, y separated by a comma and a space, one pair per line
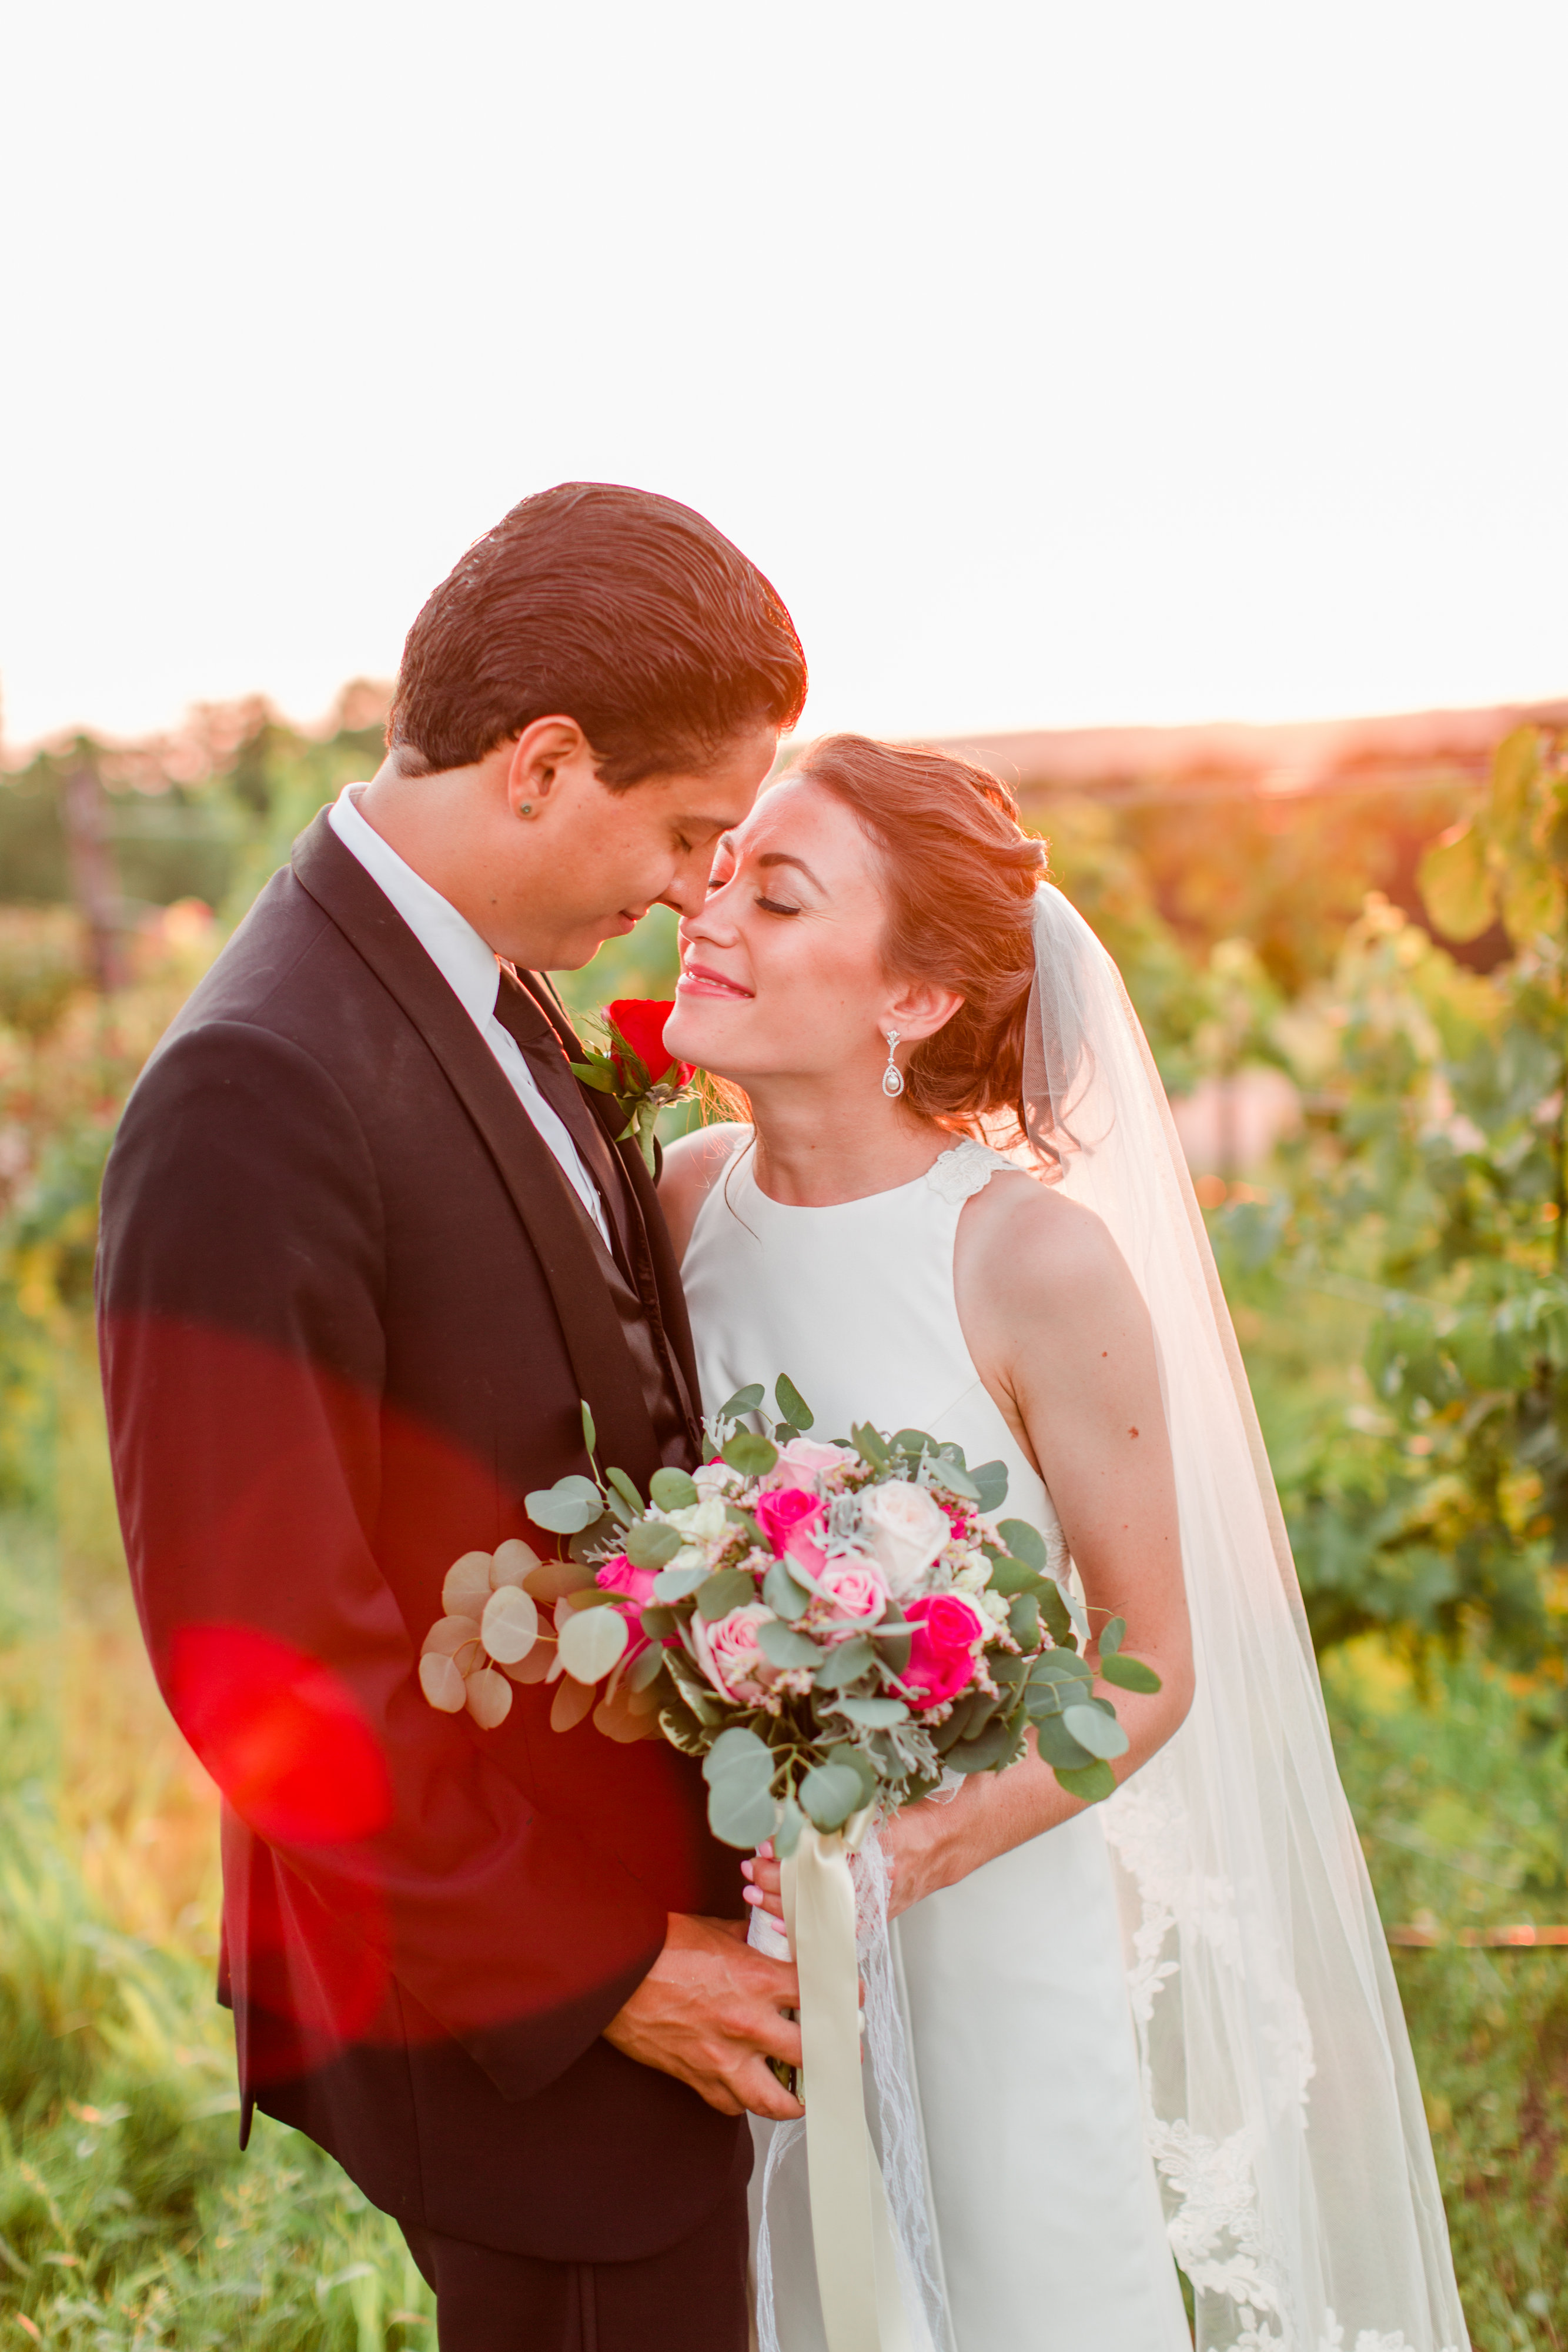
775, 907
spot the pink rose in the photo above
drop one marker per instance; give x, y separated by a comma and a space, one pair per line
618, 1575
727, 1652
854, 1588
803, 1457
780, 1513
949, 1632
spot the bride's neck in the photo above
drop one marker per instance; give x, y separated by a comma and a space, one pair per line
812, 1154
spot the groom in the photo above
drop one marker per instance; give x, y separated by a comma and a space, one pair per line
367, 1245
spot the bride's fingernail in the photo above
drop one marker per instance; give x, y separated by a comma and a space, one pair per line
747, 1871
752, 1894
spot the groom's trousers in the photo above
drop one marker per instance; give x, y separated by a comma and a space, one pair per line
691, 2298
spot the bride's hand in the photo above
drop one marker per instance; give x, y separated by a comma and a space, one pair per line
918, 1843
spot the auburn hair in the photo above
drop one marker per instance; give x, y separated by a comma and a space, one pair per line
961, 876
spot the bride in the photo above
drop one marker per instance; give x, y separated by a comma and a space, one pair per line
1165, 2025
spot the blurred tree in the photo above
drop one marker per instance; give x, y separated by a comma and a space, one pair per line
1431, 1185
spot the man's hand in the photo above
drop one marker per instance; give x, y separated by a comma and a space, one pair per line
711, 2011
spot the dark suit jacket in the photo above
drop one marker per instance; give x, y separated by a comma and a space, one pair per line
348, 1308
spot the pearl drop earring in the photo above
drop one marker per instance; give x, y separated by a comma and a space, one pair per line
893, 1076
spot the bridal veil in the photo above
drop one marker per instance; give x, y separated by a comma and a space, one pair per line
1281, 2103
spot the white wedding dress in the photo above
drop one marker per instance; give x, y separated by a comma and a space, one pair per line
1047, 2222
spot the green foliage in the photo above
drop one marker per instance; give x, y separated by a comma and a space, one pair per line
1429, 1188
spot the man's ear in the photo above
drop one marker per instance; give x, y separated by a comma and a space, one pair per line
539, 755
920, 1009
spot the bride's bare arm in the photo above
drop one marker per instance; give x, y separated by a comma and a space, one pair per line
1061, 1336
692, 1165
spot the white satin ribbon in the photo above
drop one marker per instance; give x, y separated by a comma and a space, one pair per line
857, 2266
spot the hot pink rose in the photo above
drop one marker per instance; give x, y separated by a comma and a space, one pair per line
948, 1630
855, 1589
779, 1514
727, 1652
618, 1575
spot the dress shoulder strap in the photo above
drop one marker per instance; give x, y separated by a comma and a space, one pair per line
967, 1170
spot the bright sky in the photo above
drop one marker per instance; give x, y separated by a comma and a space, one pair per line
1061, 363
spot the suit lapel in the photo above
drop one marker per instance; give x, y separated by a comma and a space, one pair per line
551, 1213
669, 1298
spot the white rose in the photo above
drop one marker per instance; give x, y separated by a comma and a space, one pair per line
716, 1477
700, 1522
905, 1529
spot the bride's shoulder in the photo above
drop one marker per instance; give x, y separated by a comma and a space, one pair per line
1025, 1239
692, 1166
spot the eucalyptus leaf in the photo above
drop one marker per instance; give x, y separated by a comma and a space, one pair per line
1128, 1674
1060, 1666
1058, 1617
742, 1810
875, 1713
731, 1588
646, 1668
1025, 1543
566, 1507
991, 1485
845, 1663
869, 1446
677, 1584
987, 1749
1009, 1576
752, 1455
673, 1490
590, 1435
957, 1481
649, 1544
782, 1594
657, 1622
791, 1403
783, 1647
627, 1492
1057, 1745
953, 1454
855, 1760
787, 1836
1093, 1782
830, 1793
736, 1750
784, 1434
913, 1442
744, 1401
591, 1642
1112, 1637
1101, 1734
1023, 1622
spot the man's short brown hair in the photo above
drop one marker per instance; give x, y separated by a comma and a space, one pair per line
622, 610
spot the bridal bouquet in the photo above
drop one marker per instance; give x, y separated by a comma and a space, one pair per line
830, 1626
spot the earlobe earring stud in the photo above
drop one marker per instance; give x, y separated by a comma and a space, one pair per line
893, 1076
526, 809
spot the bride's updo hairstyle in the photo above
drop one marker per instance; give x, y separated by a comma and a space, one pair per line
960, 875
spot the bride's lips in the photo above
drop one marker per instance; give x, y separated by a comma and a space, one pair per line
697, 979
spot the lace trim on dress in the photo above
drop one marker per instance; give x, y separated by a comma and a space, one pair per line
965, 1170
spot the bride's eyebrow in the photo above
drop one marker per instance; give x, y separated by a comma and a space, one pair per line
783, 857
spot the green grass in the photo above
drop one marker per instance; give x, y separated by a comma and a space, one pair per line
128, 2217
1464, 1819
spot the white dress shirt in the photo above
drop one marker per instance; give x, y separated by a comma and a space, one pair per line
470, 971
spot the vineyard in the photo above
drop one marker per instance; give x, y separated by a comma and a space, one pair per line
1388, 975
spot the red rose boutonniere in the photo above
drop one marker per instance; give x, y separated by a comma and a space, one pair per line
637, 1073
